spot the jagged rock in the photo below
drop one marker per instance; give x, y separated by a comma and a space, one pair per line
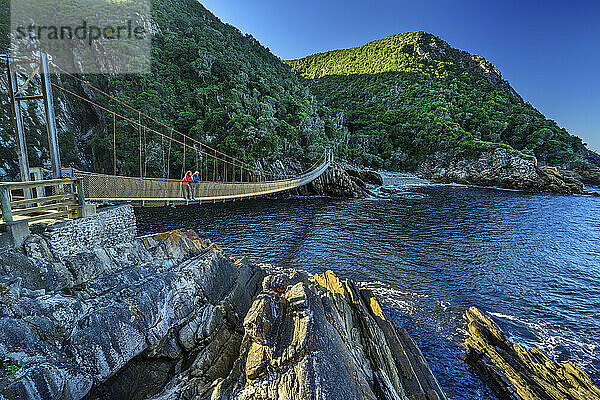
587, 176
191, 323
340, 180
519, 373
591, 193
136, 322
366, 176
319, 337
500, 168
336, 182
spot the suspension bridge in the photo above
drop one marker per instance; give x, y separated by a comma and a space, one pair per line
221, 177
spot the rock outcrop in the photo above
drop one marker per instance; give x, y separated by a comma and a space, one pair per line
519, 373
341, 180
337, 182
500, 168
169, 316
590, 177
366, 175
308, 338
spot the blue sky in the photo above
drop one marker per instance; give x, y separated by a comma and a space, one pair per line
548, 50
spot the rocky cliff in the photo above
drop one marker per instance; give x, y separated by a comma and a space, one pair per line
341, 180
500, 168
589, 177
170, 316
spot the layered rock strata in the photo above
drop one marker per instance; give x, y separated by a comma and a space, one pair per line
519, 373
500, 168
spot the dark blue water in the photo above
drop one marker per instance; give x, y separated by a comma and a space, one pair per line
430, 252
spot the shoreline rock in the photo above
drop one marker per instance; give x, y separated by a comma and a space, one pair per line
588, 177
338, 181
366, 175
515, 372
171, 317
500, 168
341, 180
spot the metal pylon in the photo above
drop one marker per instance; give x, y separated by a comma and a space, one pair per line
16, 96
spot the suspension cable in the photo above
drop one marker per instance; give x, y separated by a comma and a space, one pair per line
146, 116
137, 124
224, 157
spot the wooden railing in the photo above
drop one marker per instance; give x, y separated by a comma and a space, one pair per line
65, 195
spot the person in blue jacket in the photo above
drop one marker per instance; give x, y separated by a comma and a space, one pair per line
195, 182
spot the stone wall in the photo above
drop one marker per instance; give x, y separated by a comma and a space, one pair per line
108, 229
69, 254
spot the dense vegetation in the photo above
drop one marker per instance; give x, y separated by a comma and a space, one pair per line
221, 87
409, 95
390, 103
209, 81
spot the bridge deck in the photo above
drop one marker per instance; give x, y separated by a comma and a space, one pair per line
147, 191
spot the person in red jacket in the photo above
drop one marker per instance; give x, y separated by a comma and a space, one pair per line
188, 193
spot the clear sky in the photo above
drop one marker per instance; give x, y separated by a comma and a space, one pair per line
548, 50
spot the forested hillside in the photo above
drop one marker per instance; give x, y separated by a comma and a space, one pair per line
390, 103
208, 80
409, 95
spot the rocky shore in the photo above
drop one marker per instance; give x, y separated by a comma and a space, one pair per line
88, 310
502, 168
587, 177
341, 180
515, 372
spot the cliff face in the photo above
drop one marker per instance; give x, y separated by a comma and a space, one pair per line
169, 316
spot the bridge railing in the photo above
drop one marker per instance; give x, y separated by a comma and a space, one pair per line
112, 188
60, 200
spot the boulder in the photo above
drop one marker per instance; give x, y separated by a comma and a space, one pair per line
336, 182
366, 175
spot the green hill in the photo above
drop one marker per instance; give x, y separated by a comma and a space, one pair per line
390, 103
407, 96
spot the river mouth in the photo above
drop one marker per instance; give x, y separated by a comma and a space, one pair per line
430, 252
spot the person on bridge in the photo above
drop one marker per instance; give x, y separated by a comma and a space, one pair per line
187, 183
196, 181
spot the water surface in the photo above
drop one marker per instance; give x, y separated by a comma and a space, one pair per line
430, 252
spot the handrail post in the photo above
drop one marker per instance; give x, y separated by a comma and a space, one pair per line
80, 194
6, 207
